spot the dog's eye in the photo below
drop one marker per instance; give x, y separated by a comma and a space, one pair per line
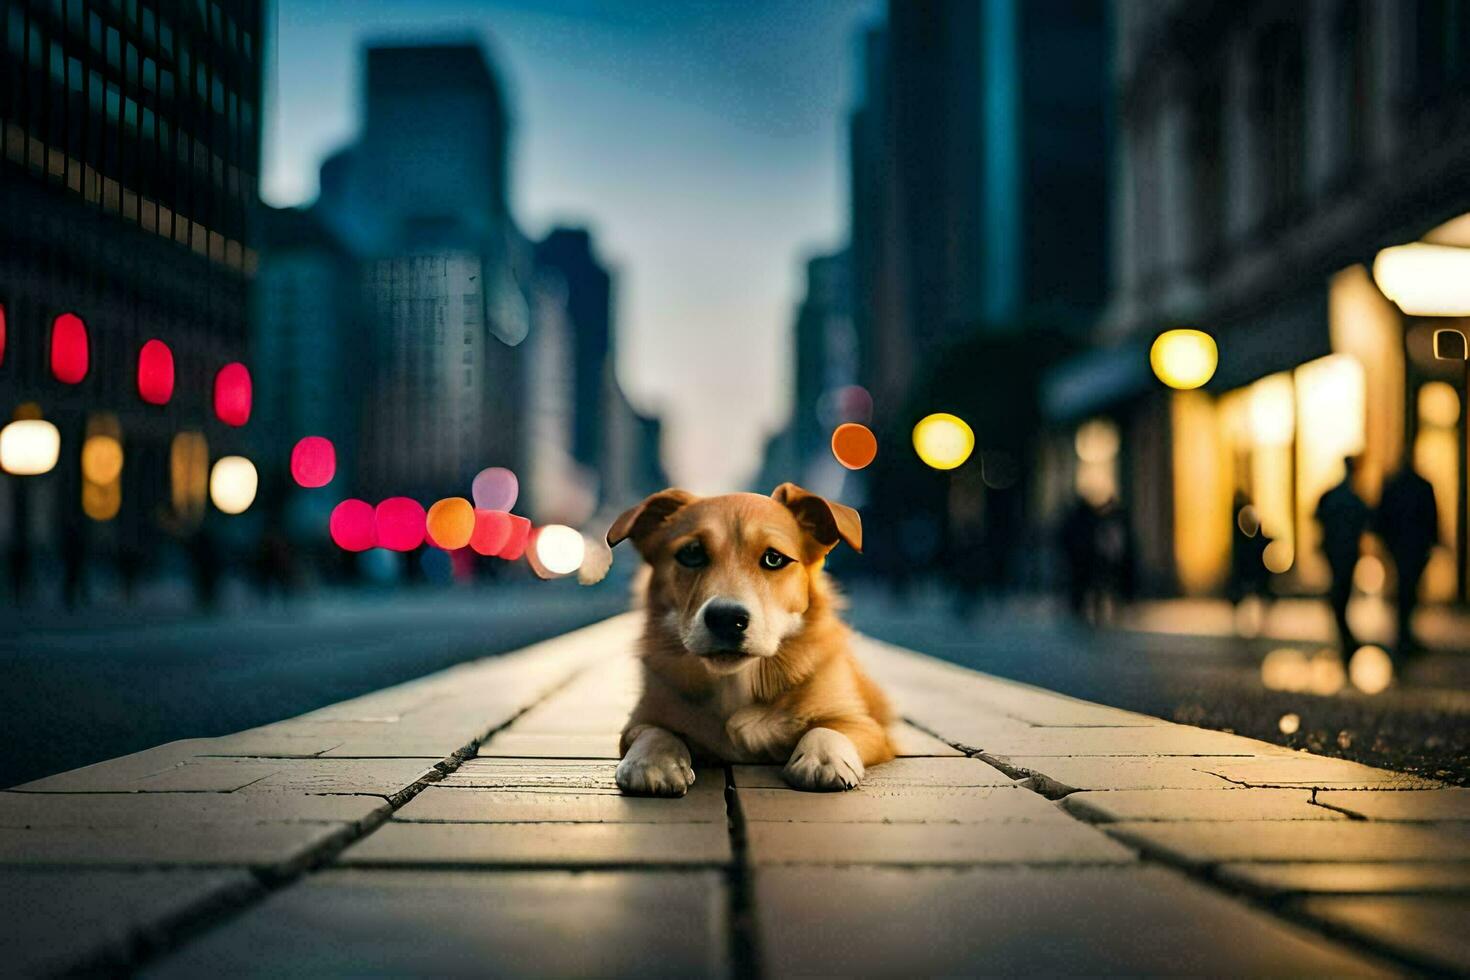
692, 555
773, 559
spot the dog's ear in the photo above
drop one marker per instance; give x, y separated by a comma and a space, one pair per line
641, 520
827, 521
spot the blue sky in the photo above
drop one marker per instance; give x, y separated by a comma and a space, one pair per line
704, 143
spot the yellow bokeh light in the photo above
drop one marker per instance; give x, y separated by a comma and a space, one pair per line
1439, 405
1272, 410
29, 447
1369, 575
1370, 669
232, 484
1290, 723
943, 441
1097, 441
188, 460
1425, 280
560, 549
1278, 556
1184, 358
100, 501
1286, 669
451, 523
102, 459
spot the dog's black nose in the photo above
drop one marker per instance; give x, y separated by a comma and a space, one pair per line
727, 621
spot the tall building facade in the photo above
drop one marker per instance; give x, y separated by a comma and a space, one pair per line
976, 148
1268, 152
419, 200
129, 161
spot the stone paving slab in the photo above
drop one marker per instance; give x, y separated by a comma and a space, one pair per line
537, 775
516, 744
1412, 805
407, 923
280, 846
1312, 771
56, 919
931, 844
59, 810
379, 777
1156, 740
1429, 928
556, 845
705, 803
1198, 804
900, 772
909, 741
1381, 877
1211, 842
1025, 921
901, 804
1059, 775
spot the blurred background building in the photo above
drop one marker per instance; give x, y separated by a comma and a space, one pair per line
979, 148
1267, 152
131, 150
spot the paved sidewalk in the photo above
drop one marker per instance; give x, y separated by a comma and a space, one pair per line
468, 822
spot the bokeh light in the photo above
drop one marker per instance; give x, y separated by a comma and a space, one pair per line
1096, 441
1184, 358
313, 461
492, 531
1289, 669
155, 373
520, 534
29, 447
102, 459
559, 549
1439, 405
1290, 723
188, 467
943, 441
1278, 556
232, 484
233, 394
1424, 279
1327, 674
1371, 669
451, 523
854, 445
101, 501
70, 353
495, 488
1369, 575
400, 524
354, 525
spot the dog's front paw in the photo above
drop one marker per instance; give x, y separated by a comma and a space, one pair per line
824, 760
657, 764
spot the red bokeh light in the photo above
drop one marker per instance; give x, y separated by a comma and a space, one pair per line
233, 394
70, 354
492, 531
156, 373
354, 525
400, 524
314, 462
520, 535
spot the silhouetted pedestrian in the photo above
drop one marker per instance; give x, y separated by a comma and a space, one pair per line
1247, 552
1408, 522
1079, 548
1344, 518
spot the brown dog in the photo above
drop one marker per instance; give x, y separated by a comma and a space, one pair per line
744, 658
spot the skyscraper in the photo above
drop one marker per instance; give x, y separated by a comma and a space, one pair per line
131, 148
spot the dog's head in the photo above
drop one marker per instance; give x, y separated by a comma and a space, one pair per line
734, 576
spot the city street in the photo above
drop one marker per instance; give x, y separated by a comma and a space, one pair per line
1421, 724
74, 695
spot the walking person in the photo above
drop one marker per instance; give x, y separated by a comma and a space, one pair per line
1408, 522
1344, 517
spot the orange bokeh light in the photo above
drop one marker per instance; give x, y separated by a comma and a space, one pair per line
451, 523
854, 445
